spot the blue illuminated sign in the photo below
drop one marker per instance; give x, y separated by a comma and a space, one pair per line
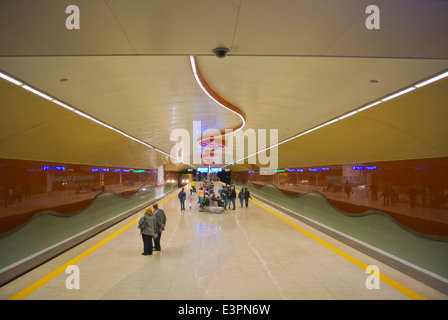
371, 168
202, 169
215, 170
57, 168
319, 169
424, 168
358, 168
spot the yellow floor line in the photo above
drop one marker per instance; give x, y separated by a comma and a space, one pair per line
360, 264
27, 291
35, 286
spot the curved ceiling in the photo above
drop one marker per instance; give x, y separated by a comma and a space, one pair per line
129, 67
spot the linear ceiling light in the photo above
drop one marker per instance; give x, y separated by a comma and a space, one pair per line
211, 94
43, 95
370, 105
85, 115
82, 114
436, 78
8, 78
66, 106
398, 94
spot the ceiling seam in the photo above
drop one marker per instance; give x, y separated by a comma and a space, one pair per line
236, 23
406, 133
121, 28
345, 32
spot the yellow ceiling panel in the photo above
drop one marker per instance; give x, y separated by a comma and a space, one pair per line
33, 128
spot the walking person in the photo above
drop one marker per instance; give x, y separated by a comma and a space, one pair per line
224, 193
232, 196
190, 198
246, 197
160, 222
200, 196
146, 224
241, 196
182, 196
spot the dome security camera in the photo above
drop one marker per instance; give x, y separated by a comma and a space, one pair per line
221, 52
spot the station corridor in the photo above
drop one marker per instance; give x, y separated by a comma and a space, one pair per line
253, 253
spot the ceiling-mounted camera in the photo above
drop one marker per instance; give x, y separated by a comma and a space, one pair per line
221, 52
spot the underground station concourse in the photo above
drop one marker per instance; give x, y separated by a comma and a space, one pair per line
297, 149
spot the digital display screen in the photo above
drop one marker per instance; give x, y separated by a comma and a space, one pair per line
205, 170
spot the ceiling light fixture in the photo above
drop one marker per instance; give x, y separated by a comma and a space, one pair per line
436, 78
348, 115
83, 114
43, 95
66, 106
8, 78
398, 94
211, 95
370, 105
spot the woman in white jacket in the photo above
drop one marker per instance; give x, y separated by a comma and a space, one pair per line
147, 224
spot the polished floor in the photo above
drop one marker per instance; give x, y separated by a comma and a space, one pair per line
253, 253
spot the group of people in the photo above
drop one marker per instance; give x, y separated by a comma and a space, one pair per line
153, 222
225, 197
151, 225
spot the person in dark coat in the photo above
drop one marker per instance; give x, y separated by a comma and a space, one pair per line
182, 196
232, 196
241, 196
247, 196
160, 217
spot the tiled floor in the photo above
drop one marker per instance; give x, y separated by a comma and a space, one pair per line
247, 253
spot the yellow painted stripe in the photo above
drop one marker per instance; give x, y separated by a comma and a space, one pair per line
360, 264
27, 291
